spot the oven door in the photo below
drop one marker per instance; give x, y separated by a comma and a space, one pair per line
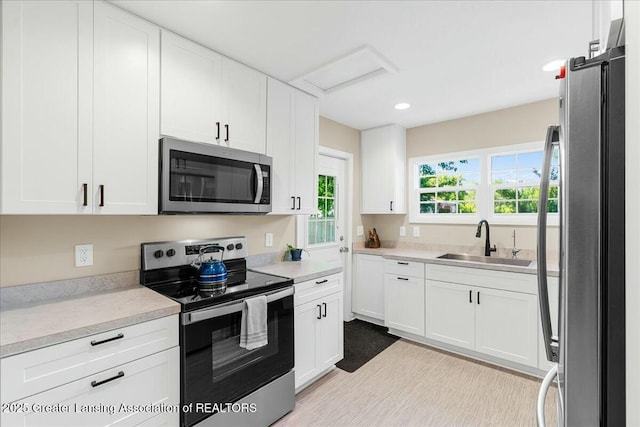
200, 178
216, 370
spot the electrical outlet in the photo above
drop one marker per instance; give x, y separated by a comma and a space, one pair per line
403, 231
360, 231
84, 255
416, 231
268, 240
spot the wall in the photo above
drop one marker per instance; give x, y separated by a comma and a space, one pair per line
525, 123
344, 138
41, 248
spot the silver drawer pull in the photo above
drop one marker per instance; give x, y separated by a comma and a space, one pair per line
320, 282
117, 337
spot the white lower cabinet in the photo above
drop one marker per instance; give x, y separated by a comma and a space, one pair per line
495, 321
318, 327
404, 296
128, 376
368, 285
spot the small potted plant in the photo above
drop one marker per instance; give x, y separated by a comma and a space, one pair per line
295, 253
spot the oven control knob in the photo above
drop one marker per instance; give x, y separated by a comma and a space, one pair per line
171, 252
238, 245
158, 254
230, 247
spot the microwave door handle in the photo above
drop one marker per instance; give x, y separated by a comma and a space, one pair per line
551, 345
259, 183
230, 308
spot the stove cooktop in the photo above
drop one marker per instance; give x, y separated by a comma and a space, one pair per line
190, 298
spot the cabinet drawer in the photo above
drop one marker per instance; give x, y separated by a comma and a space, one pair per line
404, 268
317, 288
38, 370
152, 380
505, 280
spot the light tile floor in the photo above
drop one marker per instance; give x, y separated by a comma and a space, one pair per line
409, 384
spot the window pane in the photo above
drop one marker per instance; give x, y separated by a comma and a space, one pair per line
503, 162
322, 185
552, 206
554, 174
427, 182
553, 192
447, 180
532, 193
427, 197
321, 235
427, 169
469, 165
446, 195
528, 206
469, 179
312, 232
467, 195
504, 177
330, 212
530, 160
529, 175
330, 185
555, 157
331, 231
467, 207
427, 208
447, 207
504, 207
447, 167
322, 207
505, 194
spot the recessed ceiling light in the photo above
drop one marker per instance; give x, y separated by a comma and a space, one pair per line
554, 65
402, 106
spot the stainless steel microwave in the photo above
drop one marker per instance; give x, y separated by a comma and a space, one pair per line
207, 178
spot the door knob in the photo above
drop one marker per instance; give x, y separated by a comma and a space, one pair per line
344, 249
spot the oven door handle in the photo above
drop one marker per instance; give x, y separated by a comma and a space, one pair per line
229, 308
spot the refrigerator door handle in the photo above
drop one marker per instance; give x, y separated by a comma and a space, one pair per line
551, 345
542, 394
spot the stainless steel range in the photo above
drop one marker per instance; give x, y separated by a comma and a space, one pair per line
222, 383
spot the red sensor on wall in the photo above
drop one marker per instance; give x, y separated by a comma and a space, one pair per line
563, 71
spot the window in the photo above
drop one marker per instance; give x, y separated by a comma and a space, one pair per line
515, 182
448, 186
501, 184
322, 226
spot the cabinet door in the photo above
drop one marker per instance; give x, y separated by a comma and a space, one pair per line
330, 332
306, 351
450, 313
306, 152
126, 112
404, 303
244, 106
368, 281
46, 106
280, 146
506, 325
191, 93
153, 379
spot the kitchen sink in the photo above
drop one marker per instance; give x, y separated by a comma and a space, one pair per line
487, 259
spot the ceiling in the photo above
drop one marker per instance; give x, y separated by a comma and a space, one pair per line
453, 58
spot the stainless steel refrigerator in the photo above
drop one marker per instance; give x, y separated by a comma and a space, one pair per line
589, 346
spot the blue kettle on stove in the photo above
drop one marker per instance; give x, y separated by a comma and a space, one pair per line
212, 273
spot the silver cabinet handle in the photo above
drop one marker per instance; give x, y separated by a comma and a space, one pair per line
551, 347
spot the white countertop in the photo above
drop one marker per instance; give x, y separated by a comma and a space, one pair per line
301, 271
46, 323
431, 257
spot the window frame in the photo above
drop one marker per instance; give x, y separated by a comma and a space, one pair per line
484, 191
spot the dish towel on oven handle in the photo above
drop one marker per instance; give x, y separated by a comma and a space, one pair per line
253, 326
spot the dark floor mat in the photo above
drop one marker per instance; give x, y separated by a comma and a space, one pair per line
362, 342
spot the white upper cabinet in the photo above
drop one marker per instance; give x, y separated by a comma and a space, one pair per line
126, 107
292, 141
80, 109
244, 107
46, 106
210, 98
191, 90
383, 154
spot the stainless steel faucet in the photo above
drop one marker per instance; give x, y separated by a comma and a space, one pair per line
487, 245
514, 251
